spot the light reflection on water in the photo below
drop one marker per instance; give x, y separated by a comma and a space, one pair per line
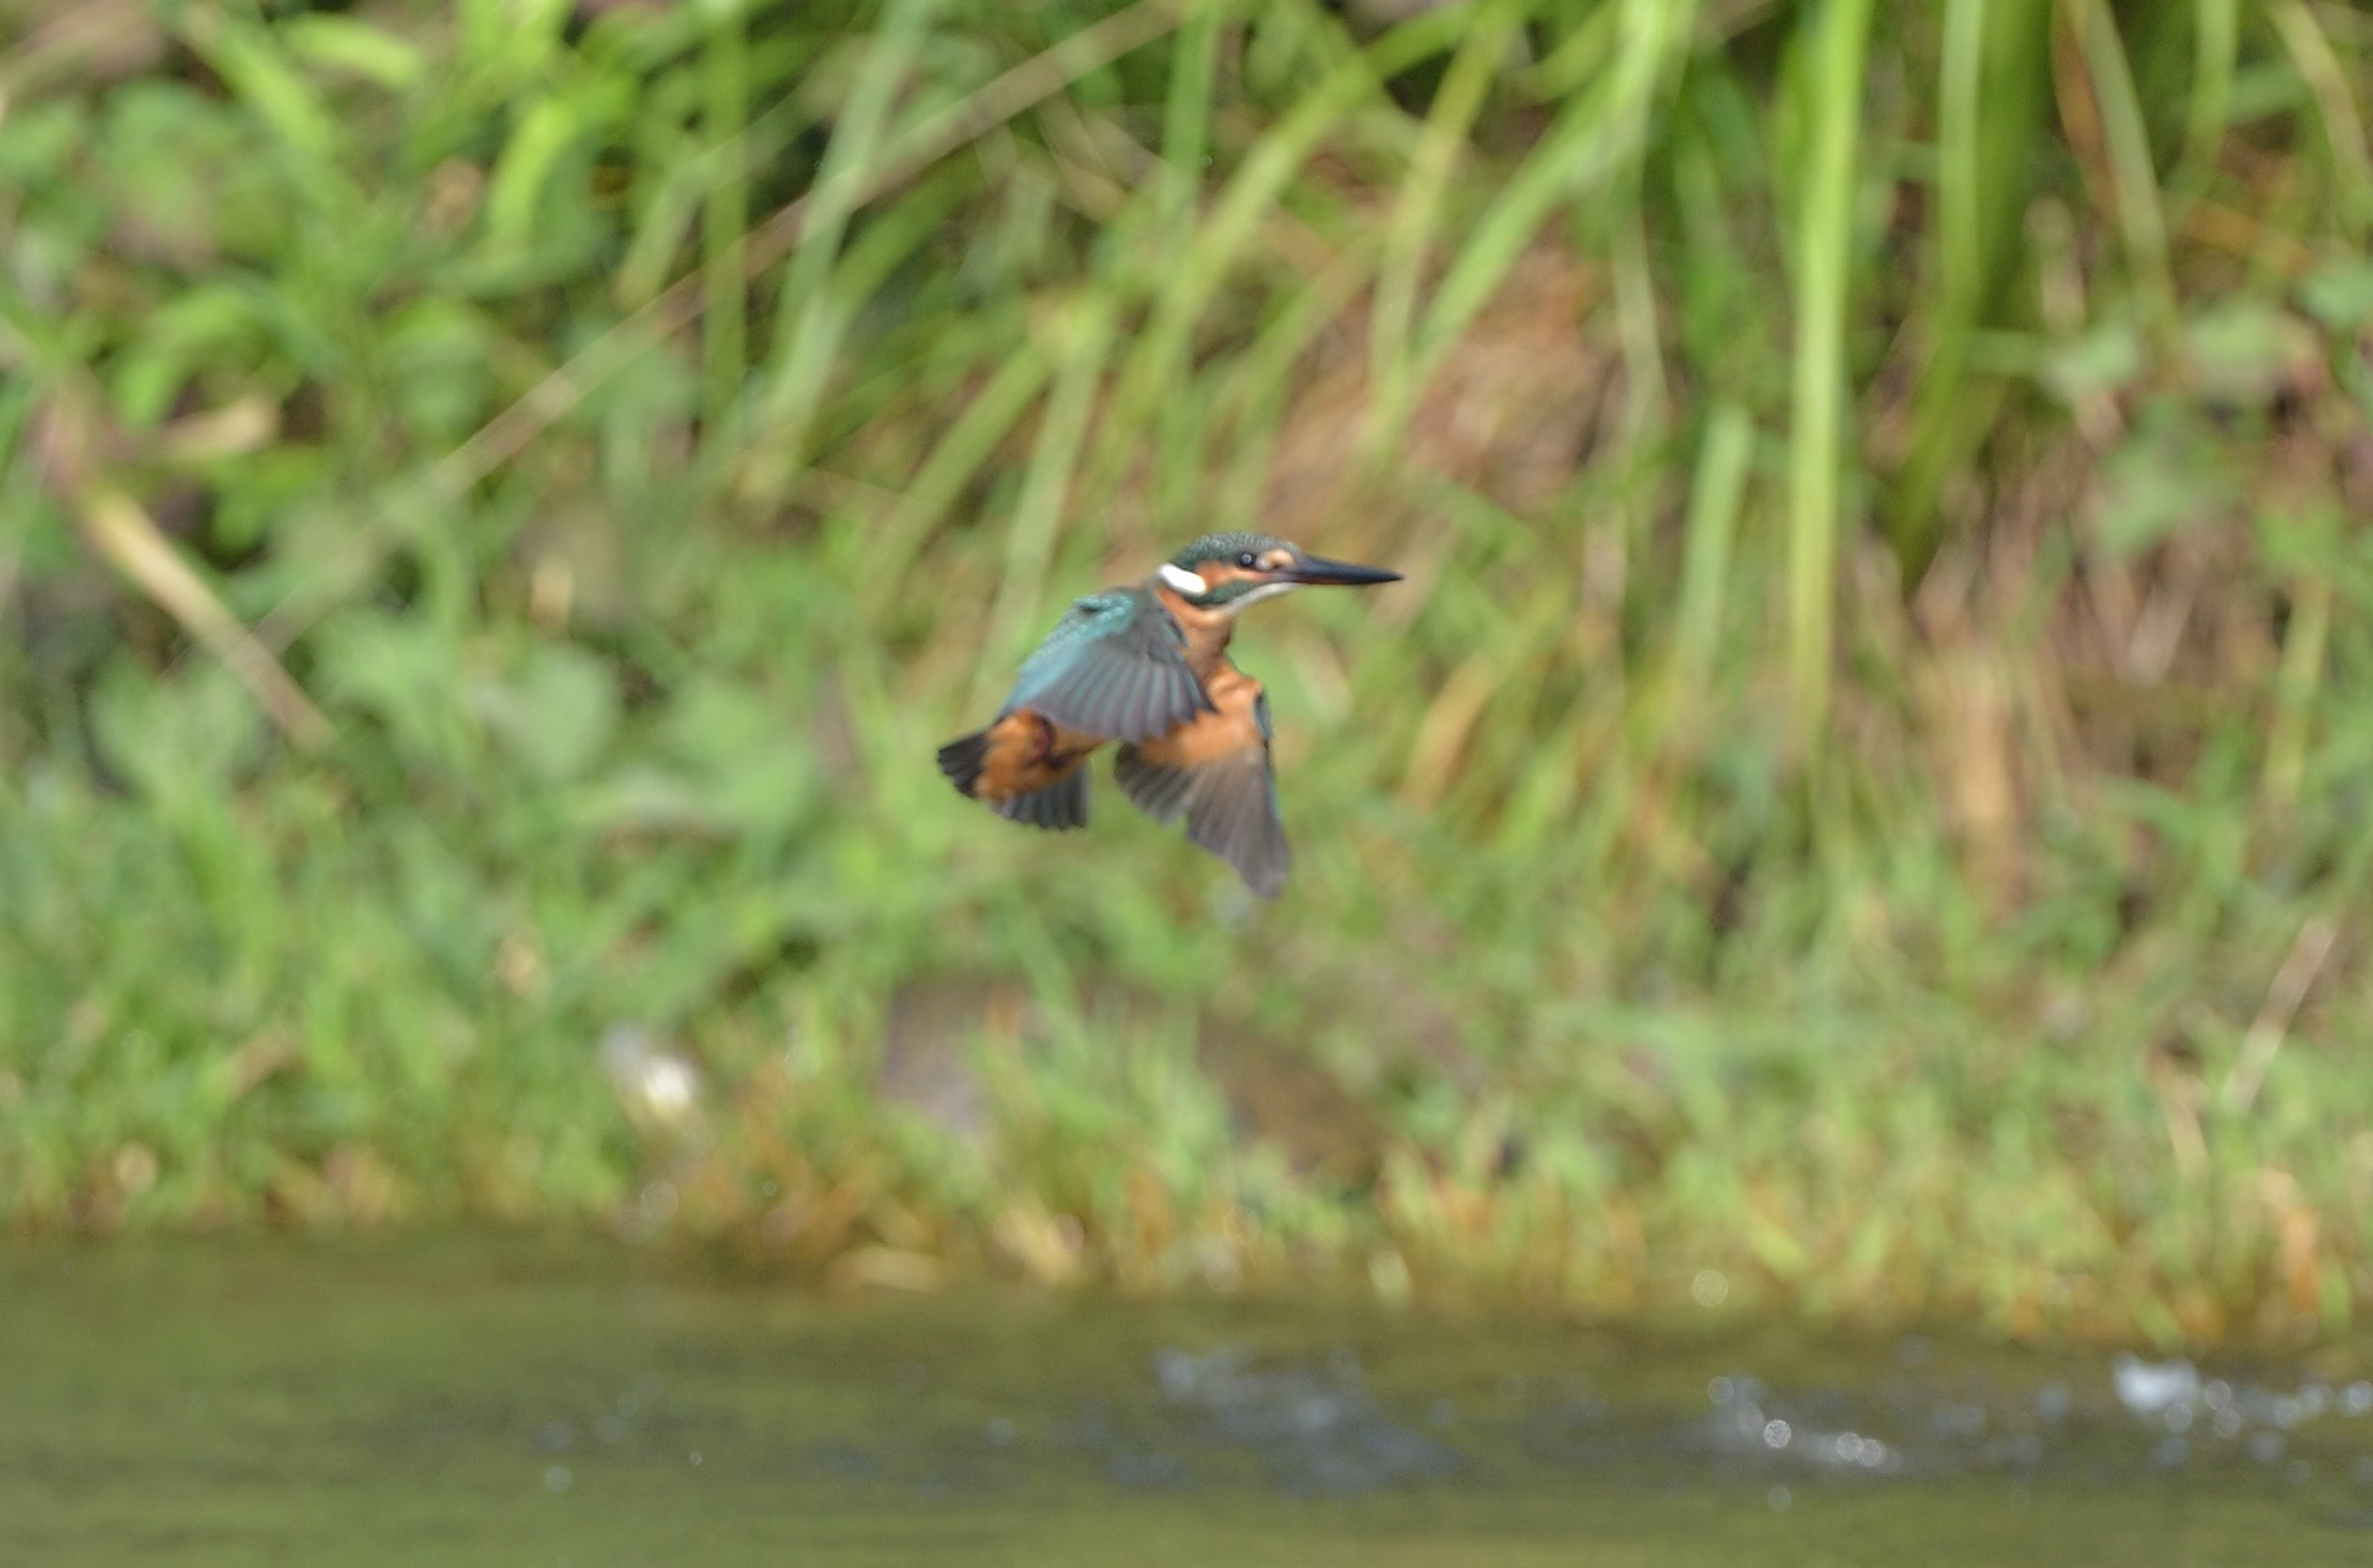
522, 1401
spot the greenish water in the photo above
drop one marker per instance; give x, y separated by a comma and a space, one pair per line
521, 1402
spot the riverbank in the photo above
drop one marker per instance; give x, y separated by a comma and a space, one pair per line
1855, 810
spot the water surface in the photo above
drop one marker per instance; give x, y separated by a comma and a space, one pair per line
528, 1403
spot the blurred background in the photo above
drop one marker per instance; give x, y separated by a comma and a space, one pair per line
1860, 809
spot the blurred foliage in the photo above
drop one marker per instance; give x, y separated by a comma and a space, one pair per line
1862, 792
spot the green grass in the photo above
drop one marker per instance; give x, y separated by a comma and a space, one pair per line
1863, 792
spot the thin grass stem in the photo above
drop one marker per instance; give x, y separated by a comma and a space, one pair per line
1838, 32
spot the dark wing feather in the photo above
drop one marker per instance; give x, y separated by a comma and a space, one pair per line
1230, 802
1157, 789
1059, 806
1115, 666
1234, 815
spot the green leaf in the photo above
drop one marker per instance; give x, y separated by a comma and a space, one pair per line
2243, 351
2104, 360
2158, 484
556, 714
745, 751
404, 671
217, 320
2340, 295
528, 158
437, 353
170, 735
356, 47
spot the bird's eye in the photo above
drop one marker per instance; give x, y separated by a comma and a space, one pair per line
1247, 561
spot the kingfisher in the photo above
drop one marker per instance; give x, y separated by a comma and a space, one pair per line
1146, 665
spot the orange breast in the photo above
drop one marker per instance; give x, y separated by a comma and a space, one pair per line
1232, 729
1206, 633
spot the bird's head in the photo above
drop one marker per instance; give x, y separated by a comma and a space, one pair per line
1225, 573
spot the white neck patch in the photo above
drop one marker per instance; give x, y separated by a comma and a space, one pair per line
1182, 581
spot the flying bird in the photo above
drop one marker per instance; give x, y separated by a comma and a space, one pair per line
1146, 665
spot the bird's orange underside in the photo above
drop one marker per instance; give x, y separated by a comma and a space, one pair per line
1029, 752
1217, 734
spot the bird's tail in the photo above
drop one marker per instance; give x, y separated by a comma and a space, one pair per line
962, 760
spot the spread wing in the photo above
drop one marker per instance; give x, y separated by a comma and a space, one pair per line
1115, 667
1215, 770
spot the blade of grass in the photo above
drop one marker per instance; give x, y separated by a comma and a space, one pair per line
1838, 32
1655, 38
1138, 245
725, 217
1714, 499
1960, 172
1577, 149
122, 531
892, 239
2343, 125
801, 366
1993, 55
988, 418
1038, 515
1960, 278
1410, 231
2297, 679
560, 392
1186, 119
252, 63
1578, 58
2299, 970
1236, 217
2216, 26
1248, 406
2135, 182
1599, 131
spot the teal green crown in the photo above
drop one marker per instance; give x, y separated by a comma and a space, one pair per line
1225, 546
1236, 548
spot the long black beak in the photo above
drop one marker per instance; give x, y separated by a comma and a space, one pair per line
1343, 574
